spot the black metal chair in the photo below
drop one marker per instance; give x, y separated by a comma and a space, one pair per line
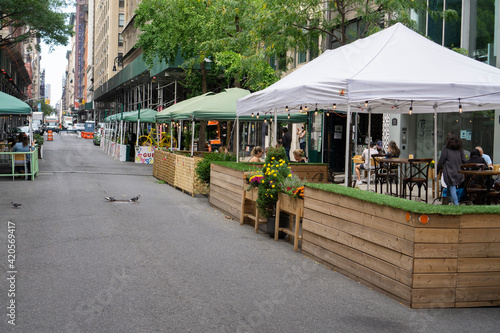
384, 174
417, 176
475, 185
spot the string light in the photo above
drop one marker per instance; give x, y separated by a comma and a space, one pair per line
289, 116
252, 114
265, 119
305, 108
316, 111
459, 106
411, 106
257, 115
366, 104
286, 108
327, 113
334, 106
300, 110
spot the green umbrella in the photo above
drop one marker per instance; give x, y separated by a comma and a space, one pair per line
147, 116
184, 107
11, 105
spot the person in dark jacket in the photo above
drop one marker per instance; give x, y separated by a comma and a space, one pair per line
475, 157
452, 156
286, 142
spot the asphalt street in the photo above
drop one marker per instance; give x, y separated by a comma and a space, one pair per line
169, 263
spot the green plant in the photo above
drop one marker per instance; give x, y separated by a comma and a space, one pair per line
292, 186
203, 167
38, 138
160, 182
275, 170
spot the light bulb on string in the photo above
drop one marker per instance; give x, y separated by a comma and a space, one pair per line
334, 106
286, 108
252, 114
265, 119
300, 110
289, 116
316, 111
366, 104
257, 115
411, 107
305, 108
460, 106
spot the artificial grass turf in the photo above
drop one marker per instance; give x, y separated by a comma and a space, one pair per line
404, 204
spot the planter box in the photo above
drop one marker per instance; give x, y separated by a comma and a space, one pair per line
178, 171
310, 172
226, 190
422, 261
294, 207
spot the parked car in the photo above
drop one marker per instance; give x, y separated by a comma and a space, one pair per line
79, 127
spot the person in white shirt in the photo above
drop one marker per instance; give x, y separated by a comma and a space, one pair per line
366, 165
486, 157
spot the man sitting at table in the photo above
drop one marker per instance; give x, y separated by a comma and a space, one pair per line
366, 159
487, 158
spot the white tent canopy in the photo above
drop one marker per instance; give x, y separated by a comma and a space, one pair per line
391, 70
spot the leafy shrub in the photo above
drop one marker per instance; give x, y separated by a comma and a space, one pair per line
275, 170
39, 139
203, 167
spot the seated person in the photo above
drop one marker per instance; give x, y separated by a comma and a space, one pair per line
257, 153
366, 165
393, 150
298, 155
475, 157
23, 146
487, 158
380, 148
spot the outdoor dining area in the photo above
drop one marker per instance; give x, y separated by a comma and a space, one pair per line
17, 161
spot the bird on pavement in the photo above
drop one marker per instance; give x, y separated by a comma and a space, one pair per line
110, 199
135, 199
15, 204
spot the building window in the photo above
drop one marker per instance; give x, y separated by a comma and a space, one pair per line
121, 20
121, 3
120, 40
301, 57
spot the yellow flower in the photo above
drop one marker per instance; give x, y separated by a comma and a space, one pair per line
271, 195
289, 175
273, 186
272, 158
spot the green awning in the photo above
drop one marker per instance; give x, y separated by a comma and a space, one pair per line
147, 116
182, 108
11, 105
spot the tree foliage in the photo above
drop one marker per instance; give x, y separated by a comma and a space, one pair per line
30, 19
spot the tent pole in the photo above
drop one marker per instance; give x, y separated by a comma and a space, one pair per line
436, 184
237, 139
179, 134
369, 147
275, 127
347, 142
192, 138
171, 134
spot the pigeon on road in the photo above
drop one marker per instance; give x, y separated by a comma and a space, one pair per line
135, 199
110, 199
15, 204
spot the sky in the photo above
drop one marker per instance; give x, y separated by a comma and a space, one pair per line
54, 63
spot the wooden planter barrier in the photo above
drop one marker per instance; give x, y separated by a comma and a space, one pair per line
178, 171
226, 190
249, 209
294, 207
227, 185
421, 261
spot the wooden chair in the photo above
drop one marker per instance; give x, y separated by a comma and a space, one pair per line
418, 175
475, 186
20, 160
384, 174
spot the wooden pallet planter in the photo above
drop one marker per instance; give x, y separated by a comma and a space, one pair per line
294, 207
185, 175
249, 209
226, 190
164, 166
311, 173
421, 261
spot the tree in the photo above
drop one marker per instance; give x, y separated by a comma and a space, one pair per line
28, 19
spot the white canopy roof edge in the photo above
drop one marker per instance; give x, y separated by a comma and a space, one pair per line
391, 70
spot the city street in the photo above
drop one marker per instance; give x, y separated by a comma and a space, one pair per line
169, 263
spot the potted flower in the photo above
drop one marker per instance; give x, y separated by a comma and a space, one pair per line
275, 170
431, 170
253, 179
